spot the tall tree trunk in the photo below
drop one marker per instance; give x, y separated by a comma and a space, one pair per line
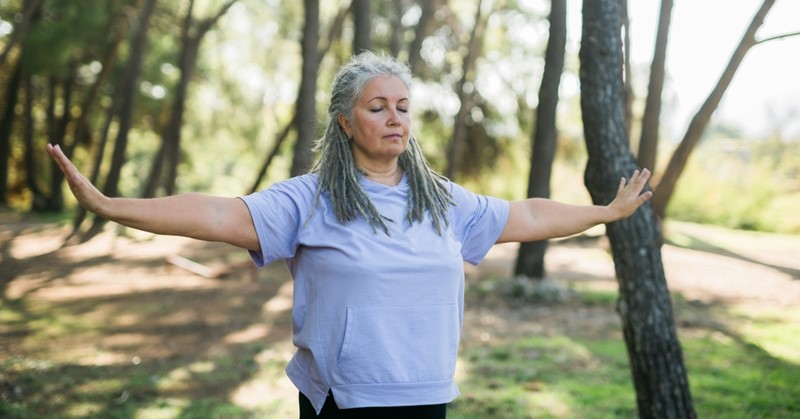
306, 100
648, 142
644, 306
396, 38
125, 95
530, 259
629, 96
455, 149
118, 27
58, 134
424, 28
191, 38
362, 20
667, 182
38, 200
6, 128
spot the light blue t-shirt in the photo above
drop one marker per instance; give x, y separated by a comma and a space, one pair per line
376, 318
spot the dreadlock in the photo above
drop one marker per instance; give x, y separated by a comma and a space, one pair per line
338, 174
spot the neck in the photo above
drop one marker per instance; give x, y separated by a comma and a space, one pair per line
389, 176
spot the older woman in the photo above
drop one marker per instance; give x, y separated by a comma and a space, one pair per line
375, 241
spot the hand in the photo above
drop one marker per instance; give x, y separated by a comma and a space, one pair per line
629, 196
88, 195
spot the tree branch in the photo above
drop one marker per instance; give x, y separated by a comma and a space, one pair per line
783, 36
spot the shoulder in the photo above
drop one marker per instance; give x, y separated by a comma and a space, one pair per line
297, 191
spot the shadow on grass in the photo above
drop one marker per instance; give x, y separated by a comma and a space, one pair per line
165, 352
695, 243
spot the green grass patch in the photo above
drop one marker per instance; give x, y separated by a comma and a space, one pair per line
742, 362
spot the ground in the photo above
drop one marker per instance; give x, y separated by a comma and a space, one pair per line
116, 305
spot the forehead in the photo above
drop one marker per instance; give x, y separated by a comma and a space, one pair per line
385, 87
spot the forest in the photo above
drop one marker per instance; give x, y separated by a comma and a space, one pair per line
153, 98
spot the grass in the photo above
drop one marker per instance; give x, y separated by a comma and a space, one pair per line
742, 363
743, 360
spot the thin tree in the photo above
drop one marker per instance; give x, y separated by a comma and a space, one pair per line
362, 22
334, 34
455, 148
124, 98
306, 99
644, 306
192, 34
648, 142
669, 179
530, 259
424, 28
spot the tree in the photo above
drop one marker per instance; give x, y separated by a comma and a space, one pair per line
362, 40
644, 306
530, 259
122, 106
424, 28
306, 98
192, 34
648, 142
668, 181
465, 91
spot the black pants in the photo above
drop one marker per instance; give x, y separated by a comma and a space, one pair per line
331, 411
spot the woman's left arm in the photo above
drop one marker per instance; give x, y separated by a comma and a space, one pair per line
540, 219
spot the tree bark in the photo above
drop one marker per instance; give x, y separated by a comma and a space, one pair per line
306, 99
362, 21
125, 97
455, 149
648, 142
530, 259
629, 95
424, 28
6, 127
644, 306
668, 181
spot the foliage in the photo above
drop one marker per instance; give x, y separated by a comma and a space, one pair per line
742, 184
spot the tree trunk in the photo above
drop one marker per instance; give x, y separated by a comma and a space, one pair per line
396, 38
644, 306
6, 127
362, 20
629, 95
424, 28
530, 259
58, 133
667, 182
455, 150
648, 142
125, 96
306, 100
29, 156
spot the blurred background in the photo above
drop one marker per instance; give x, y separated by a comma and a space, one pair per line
152, 98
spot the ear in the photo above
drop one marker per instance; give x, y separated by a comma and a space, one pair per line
345, 124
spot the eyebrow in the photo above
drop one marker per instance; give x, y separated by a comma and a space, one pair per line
386, 99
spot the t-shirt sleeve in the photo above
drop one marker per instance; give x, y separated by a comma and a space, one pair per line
278, 214
477, 221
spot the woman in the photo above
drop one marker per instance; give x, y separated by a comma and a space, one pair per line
375, 241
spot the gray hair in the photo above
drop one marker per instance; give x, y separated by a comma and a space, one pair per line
338, 175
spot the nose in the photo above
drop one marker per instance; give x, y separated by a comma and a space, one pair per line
393, 119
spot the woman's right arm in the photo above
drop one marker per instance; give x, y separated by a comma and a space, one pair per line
203, 217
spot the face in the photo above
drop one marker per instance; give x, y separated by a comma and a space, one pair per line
381, 122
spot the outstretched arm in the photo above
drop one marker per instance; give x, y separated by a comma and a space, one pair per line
539, 219
199, 216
